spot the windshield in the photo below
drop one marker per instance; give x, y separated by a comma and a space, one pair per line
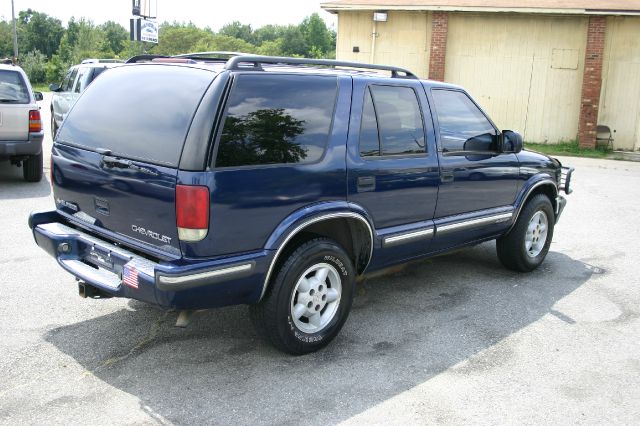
13, 88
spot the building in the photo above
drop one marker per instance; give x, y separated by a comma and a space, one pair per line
551, 69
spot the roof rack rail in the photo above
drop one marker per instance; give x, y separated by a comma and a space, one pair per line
235, 63
141, 58
206, 55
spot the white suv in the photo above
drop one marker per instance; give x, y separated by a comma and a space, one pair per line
21, 131
75, 81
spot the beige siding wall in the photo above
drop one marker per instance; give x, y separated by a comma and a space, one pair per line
526, 71
403, 40
620, 99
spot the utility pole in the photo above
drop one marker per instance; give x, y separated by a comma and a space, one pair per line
15, 35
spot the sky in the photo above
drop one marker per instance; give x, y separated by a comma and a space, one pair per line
203, 13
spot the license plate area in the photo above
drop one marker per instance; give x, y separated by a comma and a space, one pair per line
100, 258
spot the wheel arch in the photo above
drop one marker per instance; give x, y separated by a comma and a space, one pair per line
350, 229
543, 185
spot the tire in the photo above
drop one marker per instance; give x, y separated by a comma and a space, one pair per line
54, 127
299, 315
524, 248
32, 168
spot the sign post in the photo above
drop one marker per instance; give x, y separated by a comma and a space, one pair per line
143, 27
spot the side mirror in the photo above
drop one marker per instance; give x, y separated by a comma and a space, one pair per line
38, 96
54, 87
511, 142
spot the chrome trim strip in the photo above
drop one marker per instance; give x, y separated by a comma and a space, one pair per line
503, 217
403, 238
167, 279
304, 225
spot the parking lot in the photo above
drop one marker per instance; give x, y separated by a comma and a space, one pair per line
455, 339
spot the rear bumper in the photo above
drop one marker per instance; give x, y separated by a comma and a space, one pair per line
185, 285
32, 146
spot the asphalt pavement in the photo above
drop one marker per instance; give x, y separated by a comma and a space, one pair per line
452, 340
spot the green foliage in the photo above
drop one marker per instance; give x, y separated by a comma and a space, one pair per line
47, 49
39, 31
34, 64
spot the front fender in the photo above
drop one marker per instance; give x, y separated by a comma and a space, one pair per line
535, 182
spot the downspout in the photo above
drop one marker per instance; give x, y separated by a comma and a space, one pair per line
374, 35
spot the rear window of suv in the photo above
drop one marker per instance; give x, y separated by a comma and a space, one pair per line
276, 119
13, 89
139, 112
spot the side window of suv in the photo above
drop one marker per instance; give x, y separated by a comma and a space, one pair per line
83, 77
391, 122
463, 127
67, 85
275, 119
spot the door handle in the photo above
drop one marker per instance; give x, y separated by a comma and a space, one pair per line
446, 176
366, 183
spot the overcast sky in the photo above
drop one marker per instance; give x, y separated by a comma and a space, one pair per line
203, 13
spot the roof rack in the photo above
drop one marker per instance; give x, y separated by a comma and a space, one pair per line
222, 55
256, 61
141, 58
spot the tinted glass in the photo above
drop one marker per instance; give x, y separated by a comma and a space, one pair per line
399, 120
140, 112
369, 142
274, 119
68, 85
83, 77
463, 127
13, 89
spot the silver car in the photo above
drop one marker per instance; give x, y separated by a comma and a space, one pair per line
75, 81
21, 131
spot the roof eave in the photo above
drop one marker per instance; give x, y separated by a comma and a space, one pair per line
337, 7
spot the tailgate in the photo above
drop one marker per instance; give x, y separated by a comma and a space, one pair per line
116, 156
14, 122
137, 202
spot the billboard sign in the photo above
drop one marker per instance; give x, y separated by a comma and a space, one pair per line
144, 30
148, 31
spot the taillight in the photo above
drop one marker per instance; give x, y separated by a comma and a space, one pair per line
35, 122
192, 212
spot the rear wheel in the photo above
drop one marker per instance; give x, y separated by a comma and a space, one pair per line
32, 168
309, 300
527, 244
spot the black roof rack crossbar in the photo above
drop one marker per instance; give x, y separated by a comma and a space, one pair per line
141, 58
236, 63
208, 55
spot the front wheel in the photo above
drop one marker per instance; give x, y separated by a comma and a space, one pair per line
309, 300
524, 248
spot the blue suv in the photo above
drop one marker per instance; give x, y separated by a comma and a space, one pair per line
200, 181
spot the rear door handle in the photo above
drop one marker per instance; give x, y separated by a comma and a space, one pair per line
366, 183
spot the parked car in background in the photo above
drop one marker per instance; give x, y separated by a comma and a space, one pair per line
20, 123
75, 81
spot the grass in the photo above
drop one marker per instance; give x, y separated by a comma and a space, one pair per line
41, 87
570, 148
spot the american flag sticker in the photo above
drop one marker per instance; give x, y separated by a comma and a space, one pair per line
130, 276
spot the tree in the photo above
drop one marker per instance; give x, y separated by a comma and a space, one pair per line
238, 30
316, 34
34, 64
294, 42
39, 31
116, 36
